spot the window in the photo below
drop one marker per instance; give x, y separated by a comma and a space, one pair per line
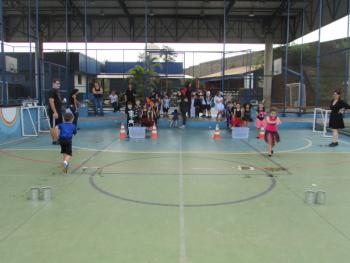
79, 79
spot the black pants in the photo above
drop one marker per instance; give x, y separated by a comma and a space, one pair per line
184, 106
76, 116
66, 147
115, 106
55, 122
197, 111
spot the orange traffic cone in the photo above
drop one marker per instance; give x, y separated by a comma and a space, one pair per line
262, 134
154, 134
122, 134
217, 135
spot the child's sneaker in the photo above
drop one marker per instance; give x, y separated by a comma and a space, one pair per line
65, 166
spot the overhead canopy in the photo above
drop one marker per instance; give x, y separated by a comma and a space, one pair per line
232, 71
125, 76
195, 21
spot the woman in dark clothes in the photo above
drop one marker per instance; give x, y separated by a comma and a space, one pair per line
336, 121
74, 105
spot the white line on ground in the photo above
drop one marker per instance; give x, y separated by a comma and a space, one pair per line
16, 140
344, 142
182, 239
308, 145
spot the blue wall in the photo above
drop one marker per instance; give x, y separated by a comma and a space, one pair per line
124, 67
10, 124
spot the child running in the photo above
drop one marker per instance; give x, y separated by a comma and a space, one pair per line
271, 135
67, 130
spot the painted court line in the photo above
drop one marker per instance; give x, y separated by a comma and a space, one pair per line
308, 145
182, 238
203, 152
16, 140
344, 142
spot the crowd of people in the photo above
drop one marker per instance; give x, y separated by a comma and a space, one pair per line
190, 103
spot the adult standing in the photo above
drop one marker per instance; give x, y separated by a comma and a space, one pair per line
55, 109
130, 95
184, 105
336, 121
97, 91
74, 105
189, 97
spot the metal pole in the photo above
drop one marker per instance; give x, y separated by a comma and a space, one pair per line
2, 62
193, 64
85, 39
346, 92
145, 91
67, 87
301, 92
286, 61
223, 51
37, 55
318, 58
96, 63
123, 64
30, 67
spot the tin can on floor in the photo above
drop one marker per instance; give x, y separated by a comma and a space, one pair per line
35, 193
321, 197
310, 197
46, 193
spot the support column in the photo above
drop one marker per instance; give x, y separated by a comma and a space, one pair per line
347, 88
347, 54
4, 91
38, 57
268, 73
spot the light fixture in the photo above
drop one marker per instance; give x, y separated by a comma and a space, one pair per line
202, 12
102, 13
251, 14
151, 13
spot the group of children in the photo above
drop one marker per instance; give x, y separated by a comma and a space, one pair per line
147, 115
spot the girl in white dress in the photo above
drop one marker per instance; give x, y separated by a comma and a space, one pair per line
219, 105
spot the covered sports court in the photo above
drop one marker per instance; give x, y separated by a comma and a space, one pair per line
182, 196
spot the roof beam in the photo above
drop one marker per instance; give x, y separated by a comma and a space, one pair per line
124, 7
229, 7
71, 6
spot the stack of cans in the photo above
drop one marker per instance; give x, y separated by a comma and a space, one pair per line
315, 197
41, 193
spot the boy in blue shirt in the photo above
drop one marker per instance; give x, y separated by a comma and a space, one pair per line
67, 130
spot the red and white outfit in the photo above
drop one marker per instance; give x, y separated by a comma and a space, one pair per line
236, 120
260, 119
271, 131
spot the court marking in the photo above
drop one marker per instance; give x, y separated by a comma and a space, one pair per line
16, 140
267, 157
182, 239
186, 152
344, 142
101, 190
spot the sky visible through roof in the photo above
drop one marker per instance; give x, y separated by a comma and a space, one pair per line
195, 53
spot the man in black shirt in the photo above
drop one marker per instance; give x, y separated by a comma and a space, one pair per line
55, 109
130, 95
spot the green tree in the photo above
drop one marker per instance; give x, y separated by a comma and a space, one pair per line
167, 54
144, 78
